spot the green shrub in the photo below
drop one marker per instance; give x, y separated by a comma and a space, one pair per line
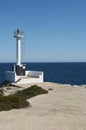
50, 89
18, 100
12, 102
1, 92
31, 92
5, 83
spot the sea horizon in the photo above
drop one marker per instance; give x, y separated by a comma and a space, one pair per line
48, 62
73, 73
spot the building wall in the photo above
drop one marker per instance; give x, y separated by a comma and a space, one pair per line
30, 77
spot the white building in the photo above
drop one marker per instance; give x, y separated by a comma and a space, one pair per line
19, 75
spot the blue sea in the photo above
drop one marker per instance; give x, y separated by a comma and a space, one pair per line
64, 73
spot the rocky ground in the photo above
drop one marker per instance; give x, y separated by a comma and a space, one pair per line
63, 108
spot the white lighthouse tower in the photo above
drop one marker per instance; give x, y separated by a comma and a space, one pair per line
18, 35
19, 75
19, 68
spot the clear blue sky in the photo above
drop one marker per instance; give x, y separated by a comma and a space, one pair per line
55, 30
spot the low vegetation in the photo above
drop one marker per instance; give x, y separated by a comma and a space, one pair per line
30, 92
18, 100
12, 102
1, 92
50, 89
5, 83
